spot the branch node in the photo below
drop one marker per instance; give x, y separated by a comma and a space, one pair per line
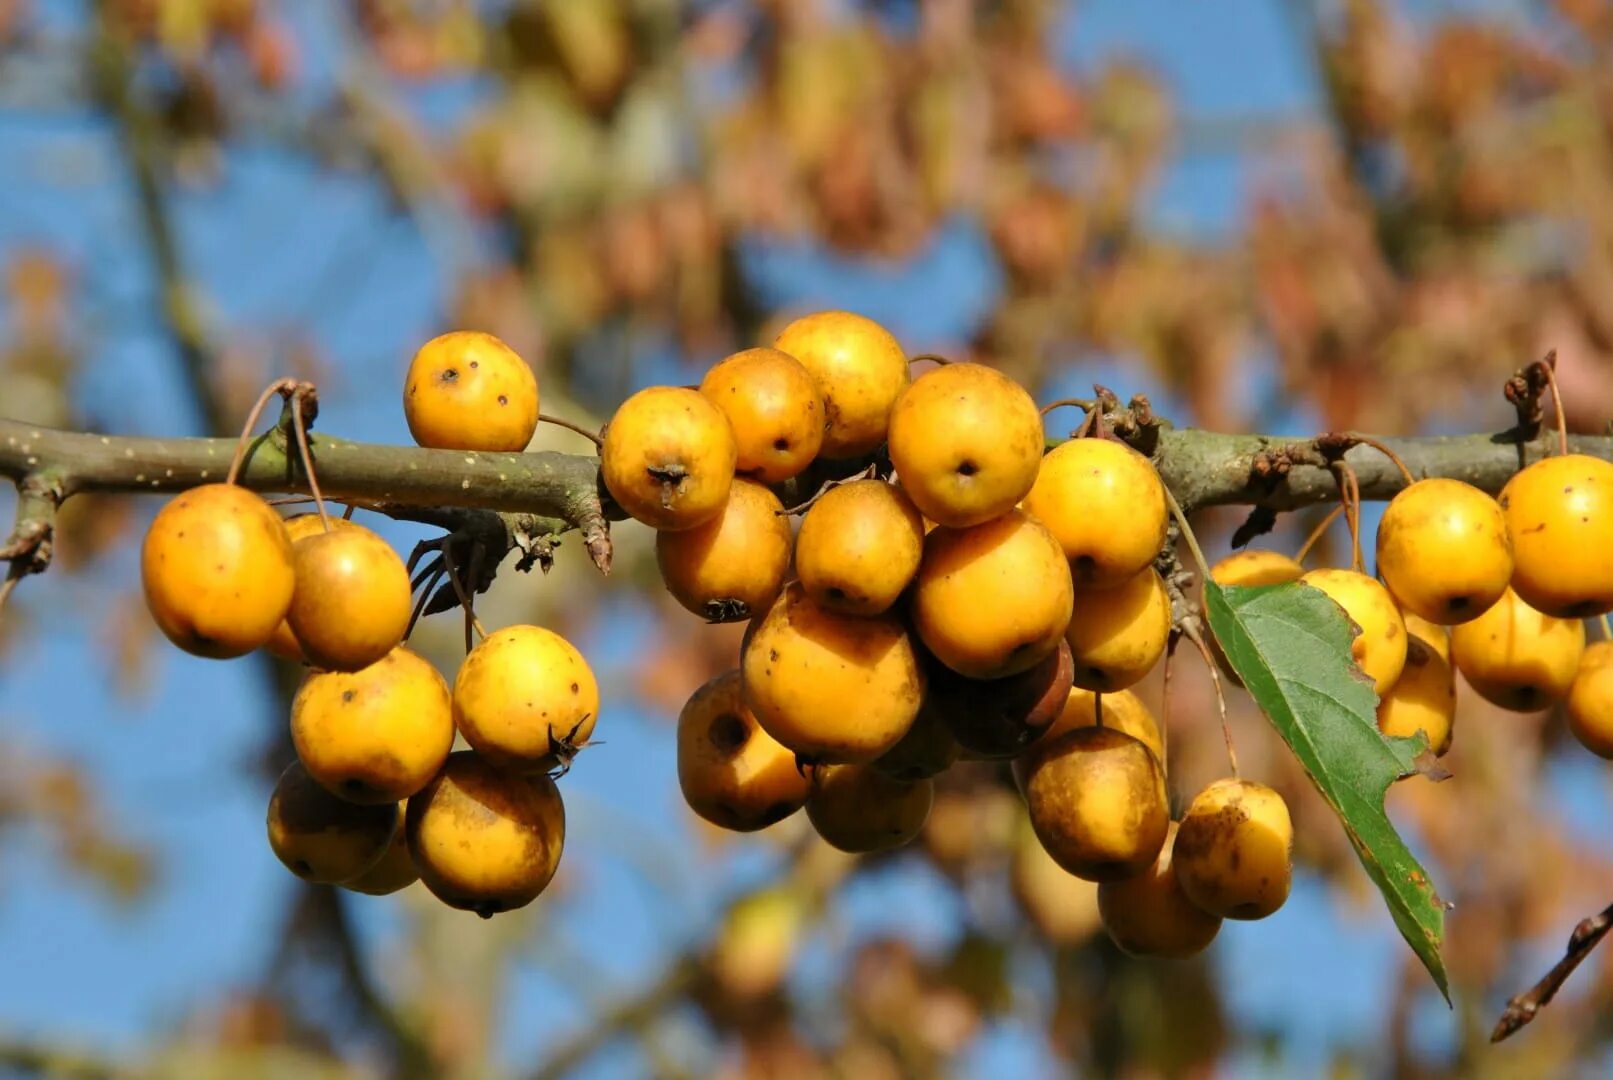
1136, 423
1525, 390
590, 518
1333, 445
32, 542
536, 548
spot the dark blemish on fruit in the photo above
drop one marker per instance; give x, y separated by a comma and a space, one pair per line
347, 696
967, 468
729, 732
772, 654
1535, 529
781, 444
503, 399
1569, 490
475, 363
575, 689
449, 375
219, 567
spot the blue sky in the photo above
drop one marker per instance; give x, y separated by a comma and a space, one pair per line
174, 763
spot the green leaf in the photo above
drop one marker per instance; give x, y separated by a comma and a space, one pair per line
1291, 646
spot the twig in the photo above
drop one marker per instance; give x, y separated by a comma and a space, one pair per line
140, 137
631, 1013
31, 544
590, 520
327, 908
1522, 1007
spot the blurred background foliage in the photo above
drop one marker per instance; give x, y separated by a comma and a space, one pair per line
1269, 215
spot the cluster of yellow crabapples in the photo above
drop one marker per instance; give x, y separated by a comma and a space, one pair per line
981, 597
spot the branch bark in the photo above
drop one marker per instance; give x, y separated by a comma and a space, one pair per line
563, 488
1205, 468
1202, 468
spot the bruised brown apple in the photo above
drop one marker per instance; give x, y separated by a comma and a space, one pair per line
927, 749
998, 718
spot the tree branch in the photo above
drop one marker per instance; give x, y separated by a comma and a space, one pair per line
633, 1012
1202, 468
562, 490
140, 136
1522, 1007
